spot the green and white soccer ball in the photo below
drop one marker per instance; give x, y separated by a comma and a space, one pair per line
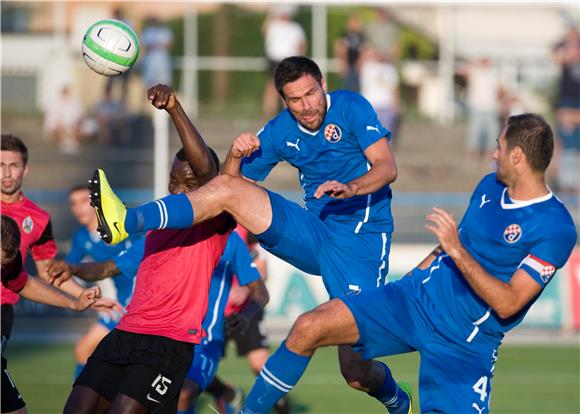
110, 47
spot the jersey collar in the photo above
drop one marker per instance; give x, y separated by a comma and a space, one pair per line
314, 133
519, 204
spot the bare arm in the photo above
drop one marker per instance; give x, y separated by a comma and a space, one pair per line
383, 171
506, 299
196, 151
37, 290
60, 271
259, 297
244, 145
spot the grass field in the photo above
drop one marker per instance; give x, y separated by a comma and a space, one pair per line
529, 379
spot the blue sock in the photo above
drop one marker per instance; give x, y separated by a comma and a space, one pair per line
387, 393
172, 212
278, 376
78, 368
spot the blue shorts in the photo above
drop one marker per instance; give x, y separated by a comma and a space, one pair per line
205, 362
348, 262
454, 376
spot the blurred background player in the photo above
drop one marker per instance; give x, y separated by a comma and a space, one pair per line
15, 279
237, 261
119, 262
348, 49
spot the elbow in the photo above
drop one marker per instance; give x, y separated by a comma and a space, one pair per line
506, 311
393, 174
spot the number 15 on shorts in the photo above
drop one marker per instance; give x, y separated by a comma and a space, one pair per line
161, 385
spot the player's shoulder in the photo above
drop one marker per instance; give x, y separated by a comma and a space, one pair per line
279, 126
35, 208
489, 182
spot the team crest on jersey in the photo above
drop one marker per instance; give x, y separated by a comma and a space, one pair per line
512, 233
332, 133
27, 225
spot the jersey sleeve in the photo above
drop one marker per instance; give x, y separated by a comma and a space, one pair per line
550, 253
77, 250
364, 122
128, 260
241, 261
258, 165
14, 277
45, 247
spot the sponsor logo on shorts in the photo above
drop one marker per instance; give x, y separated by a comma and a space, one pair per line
332, 133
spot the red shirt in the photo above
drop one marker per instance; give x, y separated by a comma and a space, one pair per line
35, 235
172, 286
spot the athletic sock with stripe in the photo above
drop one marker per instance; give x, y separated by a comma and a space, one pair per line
171, 212
278, 376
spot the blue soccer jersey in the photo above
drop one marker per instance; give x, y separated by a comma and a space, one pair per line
334, 152
236, 260
87, 243
502, 235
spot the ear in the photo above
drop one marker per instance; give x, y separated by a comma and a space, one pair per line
517, 155
25, 173
323, 83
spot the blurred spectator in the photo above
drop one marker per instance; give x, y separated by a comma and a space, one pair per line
384, 35
283, 37
157, 41
483, 90
380, 85
112, 120
63, 123
123, 79
510, 104
567, 55
348, 48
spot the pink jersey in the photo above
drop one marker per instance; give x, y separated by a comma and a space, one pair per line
172, 285
35, 235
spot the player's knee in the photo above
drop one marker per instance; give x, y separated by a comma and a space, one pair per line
356, 375
305, 335
188, 395
224, 188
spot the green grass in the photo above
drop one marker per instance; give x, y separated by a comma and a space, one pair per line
538, 379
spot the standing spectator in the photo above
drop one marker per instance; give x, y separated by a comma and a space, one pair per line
283, 38
483, 91
348, 48
567, 55
123, 78
112, 120
63, 121
384, 35
157, 40
380, 85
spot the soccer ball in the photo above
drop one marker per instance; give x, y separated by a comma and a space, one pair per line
110, 47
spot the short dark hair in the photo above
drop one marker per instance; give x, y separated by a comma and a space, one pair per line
534, 136
10, 236
13, 143
78, 187
292, 68
180, 155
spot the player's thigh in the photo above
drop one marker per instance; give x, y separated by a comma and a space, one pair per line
455, 381
84, 400
11, 398
295, 235
387, 319
205, 363
103, 377
89, 341
352, 262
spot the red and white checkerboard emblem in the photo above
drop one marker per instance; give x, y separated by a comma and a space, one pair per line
332, 133
512, 233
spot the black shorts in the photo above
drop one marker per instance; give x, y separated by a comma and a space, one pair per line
7, 316
11, 398
147, 368
254, 337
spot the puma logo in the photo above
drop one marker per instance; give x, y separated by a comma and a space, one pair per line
483, 201
292, 144
372, 128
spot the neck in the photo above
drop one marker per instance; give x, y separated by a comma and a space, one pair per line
528, 188
12, 198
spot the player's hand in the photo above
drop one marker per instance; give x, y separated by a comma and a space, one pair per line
245, 145
335, 189
236, 323
162, 97
87, 298
58, 272
238, 295
109, 306
443, 225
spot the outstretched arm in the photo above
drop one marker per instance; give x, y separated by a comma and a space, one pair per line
60, 271
196, 151
383, 171
506, 299
37, 290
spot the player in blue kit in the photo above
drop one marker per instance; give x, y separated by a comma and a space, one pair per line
455, 307
119, 262
345, 166
236, 260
